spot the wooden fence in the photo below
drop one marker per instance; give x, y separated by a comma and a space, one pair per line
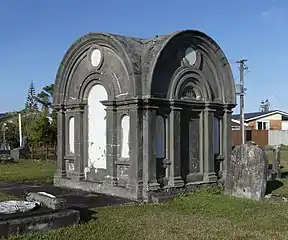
260, 137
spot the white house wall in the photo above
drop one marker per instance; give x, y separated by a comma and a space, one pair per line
277, 137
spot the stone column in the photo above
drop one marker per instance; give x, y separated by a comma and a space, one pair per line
175, 179
61, 171
149, 153
78, 143
226, 141
135, 178
209, 166
112, 144
195, 128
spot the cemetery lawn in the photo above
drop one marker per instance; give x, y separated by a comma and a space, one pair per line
28, 171
281, 190
7, 197
200, 216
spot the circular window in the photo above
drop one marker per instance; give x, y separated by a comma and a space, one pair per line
190, 55
95, 57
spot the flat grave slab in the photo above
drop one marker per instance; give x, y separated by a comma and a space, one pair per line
59, 207
38, 220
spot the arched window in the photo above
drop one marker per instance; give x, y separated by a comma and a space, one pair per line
71, 135
216, 134
125, 129
160, 137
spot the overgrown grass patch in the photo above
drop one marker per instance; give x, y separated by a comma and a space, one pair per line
201, 215
282, 190
28, 171
7, 197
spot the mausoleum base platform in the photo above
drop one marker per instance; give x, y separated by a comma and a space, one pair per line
137, 194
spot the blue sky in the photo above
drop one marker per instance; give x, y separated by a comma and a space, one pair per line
35, 34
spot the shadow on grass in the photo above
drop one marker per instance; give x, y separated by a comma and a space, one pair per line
86, 214
284, 174
273, 185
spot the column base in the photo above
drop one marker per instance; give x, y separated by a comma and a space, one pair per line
111, 180
194, 177
210, 177
223, 175
60, 173
176, 182
153, 186
78, 176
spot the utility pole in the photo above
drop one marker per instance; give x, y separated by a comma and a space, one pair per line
242, 67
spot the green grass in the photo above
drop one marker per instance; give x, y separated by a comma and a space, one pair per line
198, 216
28, 171
282, 190
7, 197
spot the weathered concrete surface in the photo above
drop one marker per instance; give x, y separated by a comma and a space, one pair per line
74, 198
47, 200
37, 222
78, 205
247, 172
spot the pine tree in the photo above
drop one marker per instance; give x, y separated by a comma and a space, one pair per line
31, 102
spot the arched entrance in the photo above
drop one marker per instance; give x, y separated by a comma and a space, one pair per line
97, 127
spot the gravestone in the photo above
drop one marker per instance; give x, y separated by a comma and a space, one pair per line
247, 172
21, 152
47, 200
276, 161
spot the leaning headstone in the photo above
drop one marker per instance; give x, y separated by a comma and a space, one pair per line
276, 161
48, 200
247, 172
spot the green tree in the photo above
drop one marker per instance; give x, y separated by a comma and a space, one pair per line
39, 132
11, 133
45, 98
31, 103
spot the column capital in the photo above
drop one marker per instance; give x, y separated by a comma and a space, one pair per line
209, 109
109, 103
150, 107
176, 108
228, 111
58, 107
229, 107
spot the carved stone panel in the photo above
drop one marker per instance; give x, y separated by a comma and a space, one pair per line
122, 174
194, 160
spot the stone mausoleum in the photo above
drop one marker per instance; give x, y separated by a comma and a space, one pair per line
141, 116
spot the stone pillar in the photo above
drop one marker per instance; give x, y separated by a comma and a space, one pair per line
226, 141
78, 144
175, 179
112, 144
209, 168
276, 161
135, 178
149, 153
61, 171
